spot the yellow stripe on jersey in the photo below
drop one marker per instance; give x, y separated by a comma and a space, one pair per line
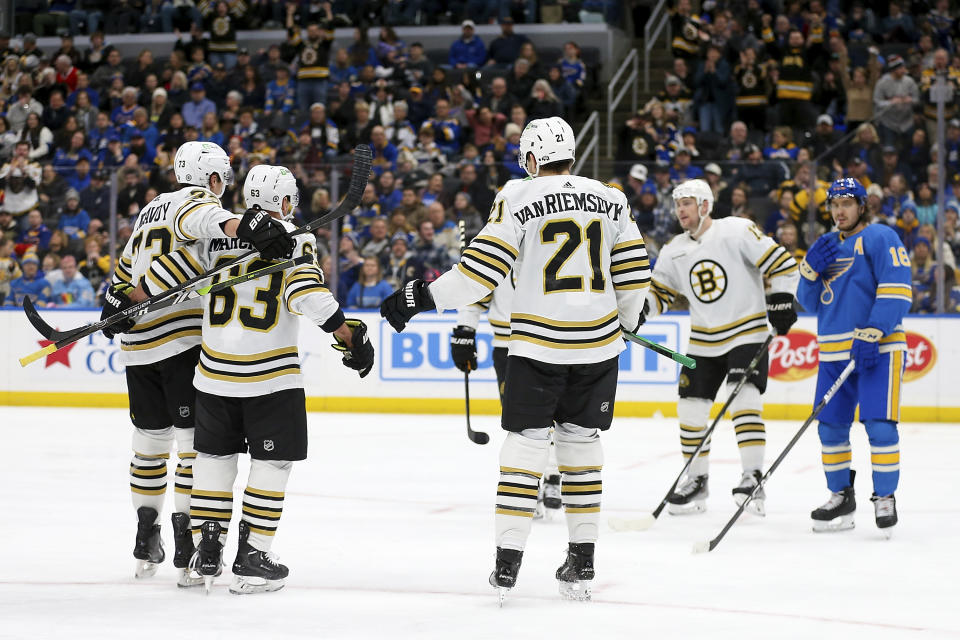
484, 280
176, 315
739, 334
491, 260
630, 244
777, 263
766, 255
200, 493
620, 267
497, 324
500, 243
155, 280
631, 287
525, 472
251, 357
193, 208
566, 469
601, 342
314, 288
186, 332
288, 371
659, 285
579, 324
173, 268
723, 327
513, 512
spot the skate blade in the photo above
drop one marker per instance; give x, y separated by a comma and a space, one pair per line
755, 506
689, 509
579, 591
886, 533
701, 547
840, 523
242, 585
188, 578
208, 584
638, 524
145, 569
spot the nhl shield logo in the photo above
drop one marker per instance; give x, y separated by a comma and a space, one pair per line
605, 407
268, 445
184, 412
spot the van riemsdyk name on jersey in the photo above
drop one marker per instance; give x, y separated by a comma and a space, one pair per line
563, 202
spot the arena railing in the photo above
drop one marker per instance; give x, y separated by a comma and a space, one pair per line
589, 133
629, 82
659, 18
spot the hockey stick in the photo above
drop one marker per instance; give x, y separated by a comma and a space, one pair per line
706, 546
183, 296
686, 361
477, 437
362, 160
642, 524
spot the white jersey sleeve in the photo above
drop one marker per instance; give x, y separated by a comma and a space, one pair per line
776, 264
200, 215
305, 293
665, 284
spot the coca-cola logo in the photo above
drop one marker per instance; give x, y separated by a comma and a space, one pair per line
794, 356
921, 356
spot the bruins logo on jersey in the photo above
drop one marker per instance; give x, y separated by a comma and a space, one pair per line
640, 146
749, 80
220, 27
708, 281
308, 56
690, 31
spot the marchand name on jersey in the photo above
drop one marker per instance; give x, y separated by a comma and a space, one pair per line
226, 244
563, 202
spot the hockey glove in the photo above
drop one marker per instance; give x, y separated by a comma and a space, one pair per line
267, 235
359, 357
406, 302
780, 312
115, 299
463, 348
821, 255
866, 347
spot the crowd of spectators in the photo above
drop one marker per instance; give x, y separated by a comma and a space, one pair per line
772, 101
445, 137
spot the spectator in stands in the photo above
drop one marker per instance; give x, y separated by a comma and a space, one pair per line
95, 198
349, 264
35, 232
894, 97
31, 284
445, 128
480, 195
313, 59
400, 267
499, 100
520, 81
73, 290
375, 242
431, 258
359, 130
636, 140
19, 112
370, 289
51, 191
907, 225
772, 224
865, 146
8, 226
469, 51
281, 93
794, 84
681, 169
368, 209
465, 211
132, 193
384, 152
781, 145
73, 219
505, 48
543, 102
194, 110
713, 91
9, 267
788, 235
38, 137
388, 194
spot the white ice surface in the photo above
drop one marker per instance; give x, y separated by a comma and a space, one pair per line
388, 532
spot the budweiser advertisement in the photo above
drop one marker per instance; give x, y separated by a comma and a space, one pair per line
794, 356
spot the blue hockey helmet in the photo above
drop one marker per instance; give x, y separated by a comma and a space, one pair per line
847, 188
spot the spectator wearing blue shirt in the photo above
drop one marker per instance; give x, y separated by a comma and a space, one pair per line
512, 151
36, 233
31, 284
65, 160
73, 220
369, 208
95, 199
682, 169
80, 179
384, 152
114, 154
123, 112
73, 290
574, 71
281, 93
390, 196
469, 50
97, 136
370, 289
83, 86
445, 128
194, 110
140, 122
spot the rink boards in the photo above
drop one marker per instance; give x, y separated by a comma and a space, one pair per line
414, 372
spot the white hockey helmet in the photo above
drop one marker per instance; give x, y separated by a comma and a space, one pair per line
549, 140
268, 185
698, 189
196, 161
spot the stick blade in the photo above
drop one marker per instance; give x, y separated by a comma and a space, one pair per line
33, 316
642, 523
704, 546
480, 437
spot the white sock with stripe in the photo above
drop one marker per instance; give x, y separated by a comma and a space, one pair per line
148, 467
212, 495
748, 425
693, 414
183, 479
580, 459
522, 460
263, 500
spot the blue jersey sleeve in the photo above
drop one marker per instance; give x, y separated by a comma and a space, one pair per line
891, 268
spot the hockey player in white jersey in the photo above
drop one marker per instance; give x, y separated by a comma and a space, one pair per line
160, 349
250, 394
582, 269
720, 267
463, 351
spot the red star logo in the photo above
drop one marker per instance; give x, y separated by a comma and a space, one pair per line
61, 355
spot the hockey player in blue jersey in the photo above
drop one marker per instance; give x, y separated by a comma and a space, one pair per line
857, 280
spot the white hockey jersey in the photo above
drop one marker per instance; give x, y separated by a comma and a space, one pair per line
250, 331
169, 222
581, 268
497, 305
721, 274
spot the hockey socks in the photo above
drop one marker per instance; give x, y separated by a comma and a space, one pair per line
263, 500
693, 414
212, 497
148, 468
522, 460
580, 459
748, 426
183, 478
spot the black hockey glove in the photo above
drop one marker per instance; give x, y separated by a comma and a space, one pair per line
463, 348
115, 299
359, 357
267, 235
780, 312
406, 302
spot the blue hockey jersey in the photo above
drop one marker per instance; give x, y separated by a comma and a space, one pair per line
867, 286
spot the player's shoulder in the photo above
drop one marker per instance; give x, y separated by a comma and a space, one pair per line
193, 194
735, 227
676, 244
514, 188
879, 232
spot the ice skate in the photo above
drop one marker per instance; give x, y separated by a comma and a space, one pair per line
183, 551
551, 493
148, 548
689, 497
576, 573
207, 560
504, 576
836, 514
885, 511
255, 571
748, 481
